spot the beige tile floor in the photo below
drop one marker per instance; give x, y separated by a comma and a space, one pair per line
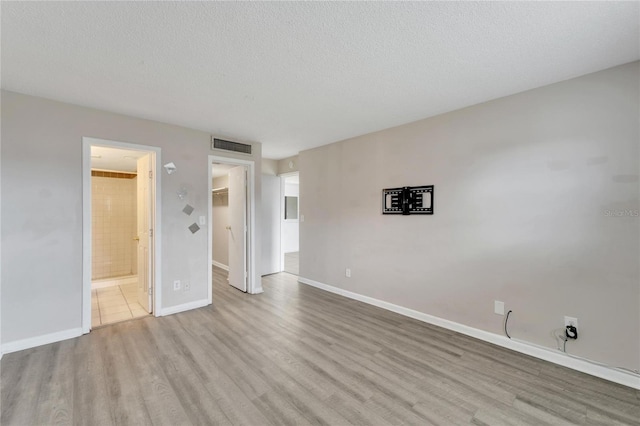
114, 304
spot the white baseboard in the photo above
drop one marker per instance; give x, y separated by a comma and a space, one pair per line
184, 307
556, 357
112, 282
45, 339
220, 265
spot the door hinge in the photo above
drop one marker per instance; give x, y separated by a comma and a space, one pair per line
150, 174
150, 232
150, 291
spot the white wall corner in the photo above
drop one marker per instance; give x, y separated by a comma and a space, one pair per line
45, 339
546, 354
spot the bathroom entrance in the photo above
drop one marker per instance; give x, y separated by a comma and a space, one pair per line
122, 195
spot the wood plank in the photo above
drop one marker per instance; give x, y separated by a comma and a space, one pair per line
295, 355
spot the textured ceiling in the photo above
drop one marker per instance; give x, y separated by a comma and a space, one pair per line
219, 170
296, 75
115, 159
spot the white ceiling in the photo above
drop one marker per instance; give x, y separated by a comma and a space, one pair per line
295, 75
115, 159
219, 169
294, 179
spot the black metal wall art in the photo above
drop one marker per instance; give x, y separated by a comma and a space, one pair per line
408, 200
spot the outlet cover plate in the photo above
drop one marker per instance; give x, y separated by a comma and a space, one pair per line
498, 307
571, 321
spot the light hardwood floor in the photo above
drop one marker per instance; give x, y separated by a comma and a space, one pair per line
295, 355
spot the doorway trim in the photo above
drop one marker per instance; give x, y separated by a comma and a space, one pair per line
253, 287
283, 177
87, 143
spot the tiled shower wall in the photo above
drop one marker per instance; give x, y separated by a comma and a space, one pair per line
113, 210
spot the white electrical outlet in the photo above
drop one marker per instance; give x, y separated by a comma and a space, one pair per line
347, 273
176, 285
498, 307
187, 286
571, 321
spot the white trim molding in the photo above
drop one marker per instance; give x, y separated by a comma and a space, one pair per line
254, 284
585, 366
112, 282
87, 143
184, 307
45, 339
220, 265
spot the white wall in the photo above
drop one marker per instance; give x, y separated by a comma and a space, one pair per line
220, 221
1, 272
270, 263
42, 209
524, 189
290, 227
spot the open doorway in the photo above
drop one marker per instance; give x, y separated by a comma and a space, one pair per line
290, 222
231, 216
119, 221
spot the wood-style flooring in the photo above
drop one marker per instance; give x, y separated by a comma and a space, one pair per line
295, 355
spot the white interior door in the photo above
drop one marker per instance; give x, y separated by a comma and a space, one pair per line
238, 228
144, 232
270, 225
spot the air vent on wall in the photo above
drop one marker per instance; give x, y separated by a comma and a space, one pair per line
230, 146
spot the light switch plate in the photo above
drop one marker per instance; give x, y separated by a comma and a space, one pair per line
498, 307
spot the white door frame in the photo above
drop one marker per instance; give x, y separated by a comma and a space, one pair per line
283, 207
87, 143
252, 286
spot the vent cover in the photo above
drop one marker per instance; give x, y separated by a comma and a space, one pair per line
230, 146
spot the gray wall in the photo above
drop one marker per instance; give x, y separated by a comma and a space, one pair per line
220, 221
42, 209
525, 187
269, 167
288, 165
